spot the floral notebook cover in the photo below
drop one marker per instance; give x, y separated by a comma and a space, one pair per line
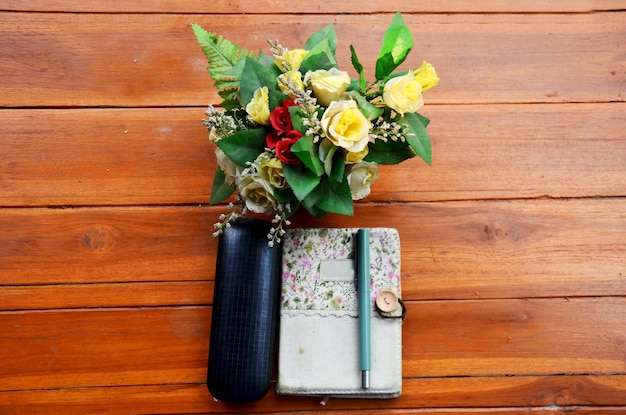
318, 343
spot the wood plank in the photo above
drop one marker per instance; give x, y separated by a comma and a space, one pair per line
513, 242
153, 60
90, 295
104, 157
501, 337
102, 245
160, 346
162, 156
516, 151
274, 7
503, 249
66, 349
337, 7
521, 394
462, 250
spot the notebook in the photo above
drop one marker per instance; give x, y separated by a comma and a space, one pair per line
319, 333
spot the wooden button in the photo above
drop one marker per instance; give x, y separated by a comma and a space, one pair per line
386, 301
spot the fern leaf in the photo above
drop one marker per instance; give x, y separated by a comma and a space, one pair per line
222, 56
229, 94
227, 83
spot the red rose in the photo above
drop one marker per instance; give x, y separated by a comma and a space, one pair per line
271, 139
293, 134
283, 148
281, 119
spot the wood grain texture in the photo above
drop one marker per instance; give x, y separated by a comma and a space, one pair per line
163, 156
105, 157
336, 7
98, 295
513, 241
489, 339
136, 60
426, 395
453, 250
98, 245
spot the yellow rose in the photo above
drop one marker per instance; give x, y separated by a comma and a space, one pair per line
291, 60
258, 108
328, 85
426, 76
361, 178
290, 80
356, 157
403, 94
257, 194
271, 169
213, 135
345, 125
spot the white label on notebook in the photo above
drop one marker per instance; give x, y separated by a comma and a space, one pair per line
341, 270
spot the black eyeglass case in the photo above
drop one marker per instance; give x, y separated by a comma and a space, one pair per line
245, 312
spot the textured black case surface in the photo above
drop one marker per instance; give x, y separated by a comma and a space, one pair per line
245, 313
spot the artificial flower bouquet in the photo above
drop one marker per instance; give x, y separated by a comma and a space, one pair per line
294, 130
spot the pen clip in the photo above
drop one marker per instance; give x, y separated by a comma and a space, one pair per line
355, 254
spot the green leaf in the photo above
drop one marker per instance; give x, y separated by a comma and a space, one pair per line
296, 114
359, 69
338, 167
328, 160
418, 137
269, 62
335, 197
230, 104
333, 160
255, 76
326, 33
228, 86
310, 203
222, 56
285, 195
276, 99
243, 146
368, 109
390, 152
306, 151
237, 69
326, 149
425, 121
397, 43
301, 180
229, 93
220, 190
294, 206
320, 57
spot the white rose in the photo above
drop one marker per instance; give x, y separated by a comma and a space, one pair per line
328, 85
271, 169
257, 194
361, 177
230, 169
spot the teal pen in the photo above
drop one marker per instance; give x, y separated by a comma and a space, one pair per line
363, 276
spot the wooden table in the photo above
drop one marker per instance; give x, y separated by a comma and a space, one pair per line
513, 241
